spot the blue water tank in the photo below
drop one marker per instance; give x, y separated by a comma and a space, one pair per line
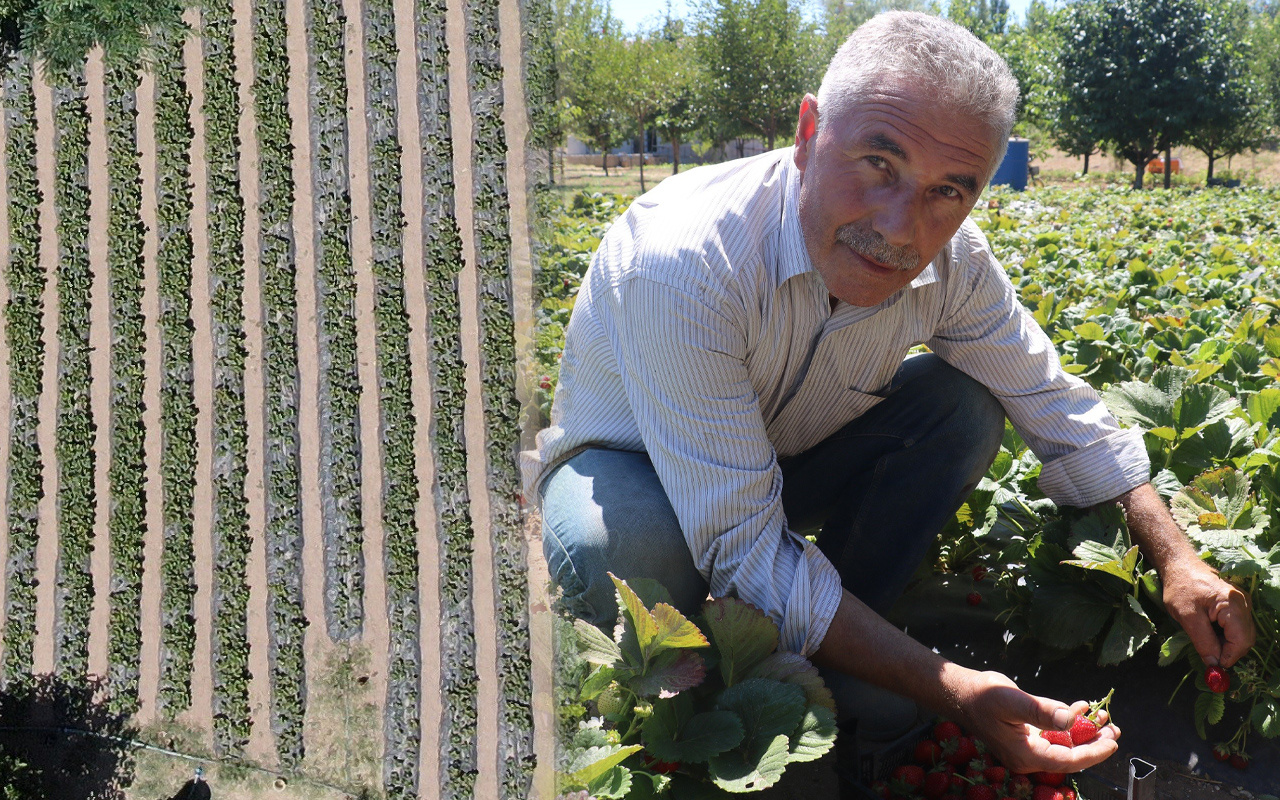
1013, 170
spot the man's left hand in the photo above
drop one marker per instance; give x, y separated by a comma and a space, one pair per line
1197, 598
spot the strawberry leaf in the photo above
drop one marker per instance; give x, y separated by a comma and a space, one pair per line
1142, 405
1067, 615
743, 635
675, 733
751, 770
594, 645
794, 668
612, 785
815, 736
1128, 633
1098, 556
1202, 404
1173, 648
592, 763
1210, 707
669, 673
1266, 718
767, 709
1264, 407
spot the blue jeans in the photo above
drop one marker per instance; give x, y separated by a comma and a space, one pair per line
878, 492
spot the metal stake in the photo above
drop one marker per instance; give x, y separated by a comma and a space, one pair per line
1142, 785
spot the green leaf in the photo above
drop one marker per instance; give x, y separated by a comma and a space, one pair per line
1091, 331
659, 630
743, 635
1066, 615
1210, 707
1173, 648
1130, 631
594, 762
795, 669
596, 682
669, 673
594, 645
815, 736
1266, 718
668, 737
767, 708
1098, 556
1202, 404
612, 785
1141, 404
752, 770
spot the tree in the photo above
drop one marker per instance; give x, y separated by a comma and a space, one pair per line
1134, 72
1030, 50
842, 17
1233, 118
983, 18
759, 57
679, 111
589, 59
1266, 40
62, 33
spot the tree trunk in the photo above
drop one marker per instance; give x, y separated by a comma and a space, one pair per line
1168, 166
604, 162
642, 171
1137, 179
675, 155
1086, 164
1210, 176
551, 164
742, 147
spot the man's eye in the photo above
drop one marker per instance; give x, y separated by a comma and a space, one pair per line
877, 162
949, 191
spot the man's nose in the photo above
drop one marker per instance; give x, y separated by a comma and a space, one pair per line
896, 218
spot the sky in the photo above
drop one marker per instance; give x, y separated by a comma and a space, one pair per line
633, 13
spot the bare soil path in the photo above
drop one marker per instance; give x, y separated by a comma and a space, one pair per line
200, 715
153, 544
376, 635
261, 747
47, 546
99, 366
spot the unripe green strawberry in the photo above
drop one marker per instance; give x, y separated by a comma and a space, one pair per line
610, 700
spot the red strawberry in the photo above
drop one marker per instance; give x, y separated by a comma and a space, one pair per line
974, 771
1068, 794
960, 751
979, 572
944, 732
1020, 787
1239, 760
1218, 679
995, 775
928, 752
980, 791
1083, 730
936, 785
545, 383
1057, 737
1048, 778
910, 774
957, 782
661, 767
1221, 752
974, 599
1043, 792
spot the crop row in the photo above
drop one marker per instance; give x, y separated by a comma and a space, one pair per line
174, 255
231, 538
74, 437
442, 253
286, 622
24, 329
339, 384
403, 723
128, 469
501, 408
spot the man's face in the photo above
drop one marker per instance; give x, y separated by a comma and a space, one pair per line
884, 187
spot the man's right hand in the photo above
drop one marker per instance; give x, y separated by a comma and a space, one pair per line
1009, 721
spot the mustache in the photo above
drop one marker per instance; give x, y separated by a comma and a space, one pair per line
869, 244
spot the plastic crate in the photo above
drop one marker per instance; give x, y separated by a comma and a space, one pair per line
858, 768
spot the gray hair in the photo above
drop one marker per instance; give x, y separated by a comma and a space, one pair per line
964, 74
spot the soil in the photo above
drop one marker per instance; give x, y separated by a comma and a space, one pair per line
1264, 166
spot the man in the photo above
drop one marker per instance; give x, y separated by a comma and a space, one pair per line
734, 372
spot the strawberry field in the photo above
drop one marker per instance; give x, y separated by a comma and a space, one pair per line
1167, 302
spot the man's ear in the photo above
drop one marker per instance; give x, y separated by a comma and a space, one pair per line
806, 129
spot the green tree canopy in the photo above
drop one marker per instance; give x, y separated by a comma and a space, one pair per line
62, 33
590, 65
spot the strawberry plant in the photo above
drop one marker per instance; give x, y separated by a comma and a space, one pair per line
173, 136
706, 704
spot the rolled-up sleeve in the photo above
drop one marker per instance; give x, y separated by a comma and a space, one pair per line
988, 334
682, 364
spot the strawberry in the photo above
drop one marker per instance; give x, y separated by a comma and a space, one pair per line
1020, 787
1057, 737
910, 774
1221, 752
1239, 760
927, 752
944, 732
995, 775
936, 784
1083, 730
611, 701
974, 599
959, 751
881, 789
545, 383
979, 572
1048, 778
980, 791
974, 772
1043, 792
1218, 679
1068, 794
661, 767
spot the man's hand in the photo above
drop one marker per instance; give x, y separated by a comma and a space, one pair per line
1009, 720
1194, 595
1197, 599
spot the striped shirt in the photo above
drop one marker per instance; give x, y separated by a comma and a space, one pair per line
703, 336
